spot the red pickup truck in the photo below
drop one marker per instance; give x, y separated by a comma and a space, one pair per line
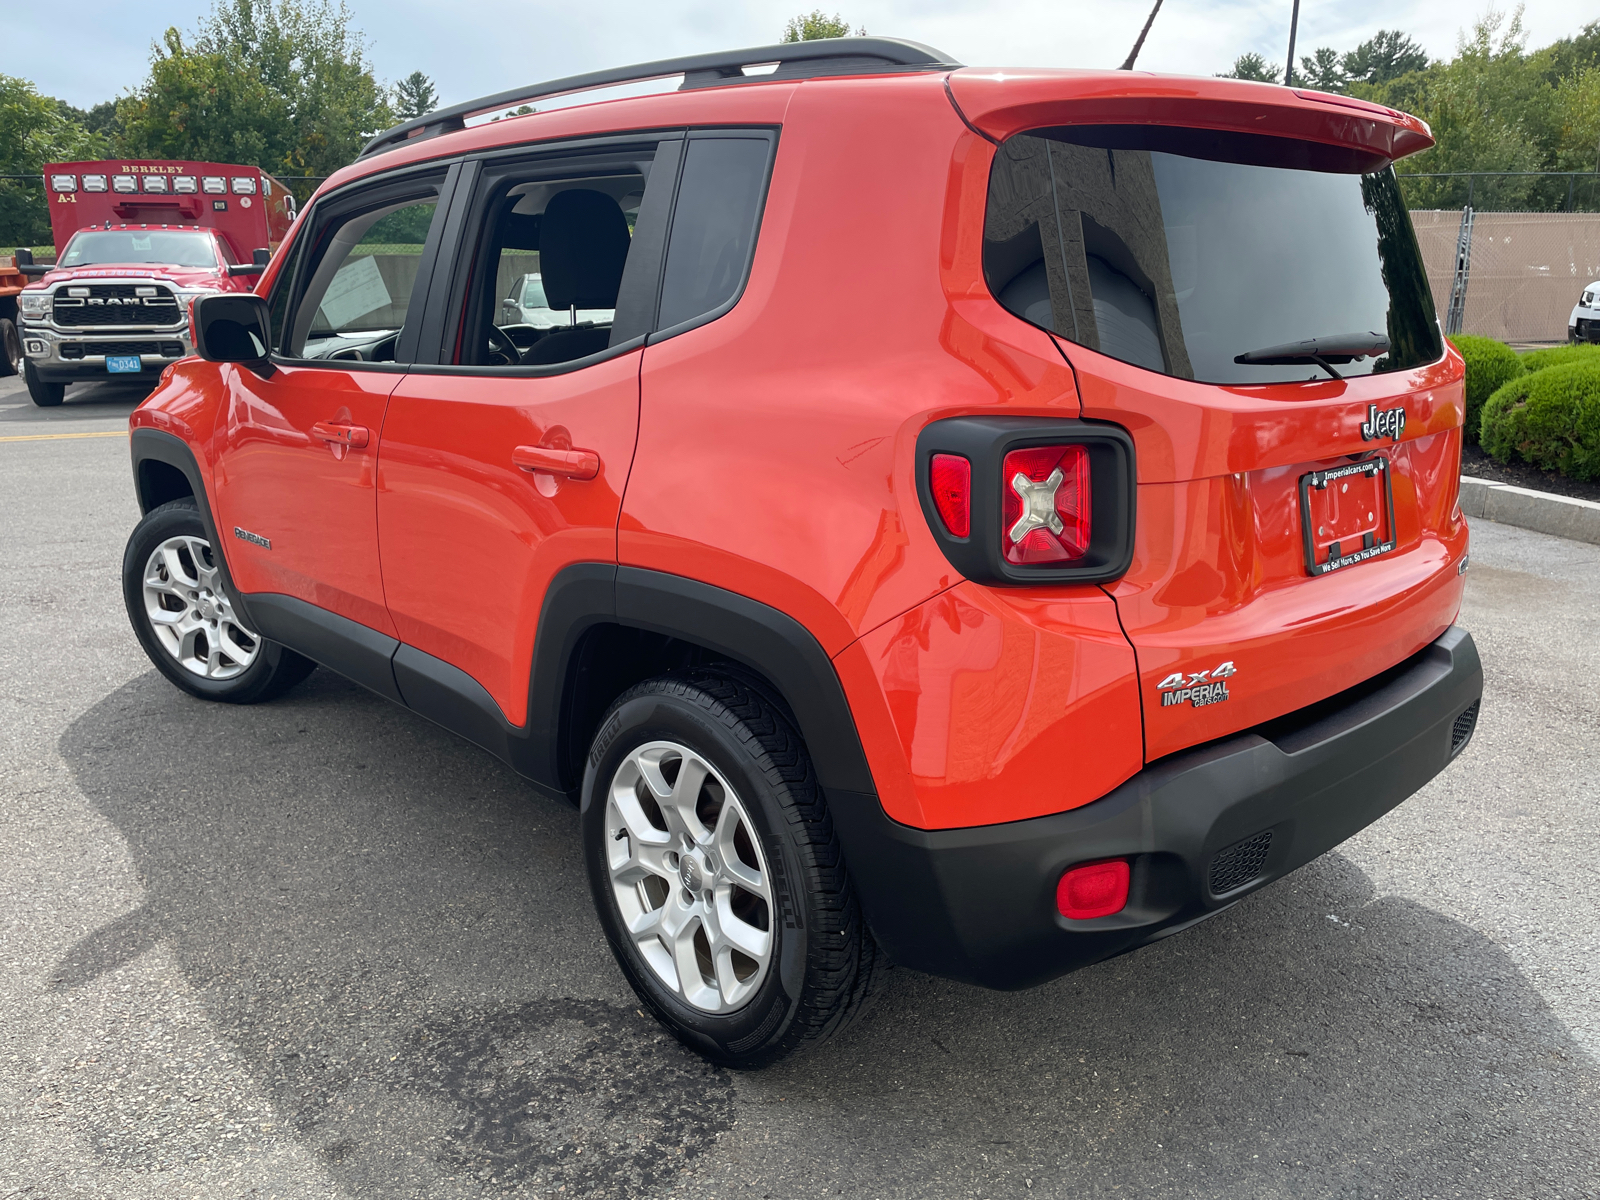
139, 240
983, 520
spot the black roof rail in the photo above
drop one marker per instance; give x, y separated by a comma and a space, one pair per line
796, 60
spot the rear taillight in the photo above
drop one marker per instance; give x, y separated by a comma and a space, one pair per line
1029, 501
1044, 506
1097, 889
950, 480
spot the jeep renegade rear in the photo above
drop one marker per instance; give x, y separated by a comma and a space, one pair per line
982, 521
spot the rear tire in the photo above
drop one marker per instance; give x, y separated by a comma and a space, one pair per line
45, 395
172, 586
10, 347
716, 870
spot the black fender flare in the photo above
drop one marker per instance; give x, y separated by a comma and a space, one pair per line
156, 445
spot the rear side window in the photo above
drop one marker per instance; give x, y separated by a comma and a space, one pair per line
713, 226
1178, 251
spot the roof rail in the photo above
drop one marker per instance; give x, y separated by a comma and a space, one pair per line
796, 60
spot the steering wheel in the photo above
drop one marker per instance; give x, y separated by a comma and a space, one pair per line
503, 351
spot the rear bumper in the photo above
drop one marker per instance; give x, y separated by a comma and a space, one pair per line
1203, 828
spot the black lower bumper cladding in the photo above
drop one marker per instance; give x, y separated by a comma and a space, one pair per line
1202, 828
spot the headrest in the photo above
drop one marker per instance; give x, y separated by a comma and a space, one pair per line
583, 243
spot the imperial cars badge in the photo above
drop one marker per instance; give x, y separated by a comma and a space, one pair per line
1198, 688
1383, 423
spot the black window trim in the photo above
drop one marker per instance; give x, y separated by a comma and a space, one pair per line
335, 205
463, 229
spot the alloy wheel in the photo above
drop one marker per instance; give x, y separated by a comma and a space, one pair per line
191, 615
690, 877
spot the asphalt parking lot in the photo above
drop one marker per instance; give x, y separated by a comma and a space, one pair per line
321, 948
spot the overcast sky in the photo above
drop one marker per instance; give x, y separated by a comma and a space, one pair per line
478, 47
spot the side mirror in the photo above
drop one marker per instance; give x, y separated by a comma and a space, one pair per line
234, 327
257, 264
28, 267
24, 256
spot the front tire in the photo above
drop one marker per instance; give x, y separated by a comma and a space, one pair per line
716, 870
10, 347
45, 395
184, 619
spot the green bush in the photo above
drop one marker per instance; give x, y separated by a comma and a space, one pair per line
1550, 418
1490, 365
1555, 356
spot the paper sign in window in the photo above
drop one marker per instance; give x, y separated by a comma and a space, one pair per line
356, 290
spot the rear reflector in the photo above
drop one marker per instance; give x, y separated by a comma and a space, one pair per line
1096, 889
1045, 504
950, 480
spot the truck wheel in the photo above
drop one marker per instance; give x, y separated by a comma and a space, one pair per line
185, 621
716, 870
45, 395
10, 347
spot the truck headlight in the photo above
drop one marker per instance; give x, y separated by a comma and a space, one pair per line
36, 305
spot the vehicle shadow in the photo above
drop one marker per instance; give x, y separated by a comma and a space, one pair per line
84, 401
396, 937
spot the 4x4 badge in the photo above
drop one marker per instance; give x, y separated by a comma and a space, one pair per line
1383, 423
1198, 688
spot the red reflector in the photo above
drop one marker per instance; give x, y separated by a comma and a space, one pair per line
950, 481
1045, 504
1095, 889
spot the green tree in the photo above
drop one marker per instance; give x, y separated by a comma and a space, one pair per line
1323, 70
1387, 55
1252, 66
808, 27
284, 84
34, 130
414, 96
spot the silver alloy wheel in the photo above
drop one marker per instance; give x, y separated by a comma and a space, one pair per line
690, 876
190, 613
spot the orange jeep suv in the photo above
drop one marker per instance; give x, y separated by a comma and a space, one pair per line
980, 520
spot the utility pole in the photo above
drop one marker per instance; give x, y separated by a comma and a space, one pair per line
1294, 24
1143, 33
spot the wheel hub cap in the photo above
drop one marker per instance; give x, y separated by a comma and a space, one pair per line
689, 876
189, 613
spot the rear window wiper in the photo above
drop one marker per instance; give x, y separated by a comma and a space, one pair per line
1335, 348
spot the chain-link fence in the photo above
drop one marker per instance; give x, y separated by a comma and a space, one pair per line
1508, 275
1503, 191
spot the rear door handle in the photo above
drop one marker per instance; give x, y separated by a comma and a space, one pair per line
574, 464
351, 436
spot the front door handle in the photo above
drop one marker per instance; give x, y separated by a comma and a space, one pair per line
353, 437
574, 464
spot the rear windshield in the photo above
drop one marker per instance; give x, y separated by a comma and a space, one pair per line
173, 248
1180, 258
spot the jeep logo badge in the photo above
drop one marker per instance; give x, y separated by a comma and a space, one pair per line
1383, 423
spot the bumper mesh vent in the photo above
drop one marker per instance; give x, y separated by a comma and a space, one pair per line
77, 350
1462, 729
1239, 863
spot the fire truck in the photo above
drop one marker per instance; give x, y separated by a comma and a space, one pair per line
138, 241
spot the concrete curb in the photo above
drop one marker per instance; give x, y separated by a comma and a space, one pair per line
1540, 511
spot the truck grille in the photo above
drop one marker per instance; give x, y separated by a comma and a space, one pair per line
152, 348
116, 304
1240, 863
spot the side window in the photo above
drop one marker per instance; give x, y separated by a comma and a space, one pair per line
556, 257
352, 295
713, 226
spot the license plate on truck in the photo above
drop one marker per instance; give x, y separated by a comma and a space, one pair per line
123, 364
1346, 515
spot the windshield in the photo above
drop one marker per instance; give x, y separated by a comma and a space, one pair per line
170, 247
1180, 259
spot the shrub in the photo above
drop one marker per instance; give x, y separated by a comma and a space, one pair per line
1555, 356
1490, 365
1550, 418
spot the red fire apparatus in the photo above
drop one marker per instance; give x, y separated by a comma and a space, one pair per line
138, 240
